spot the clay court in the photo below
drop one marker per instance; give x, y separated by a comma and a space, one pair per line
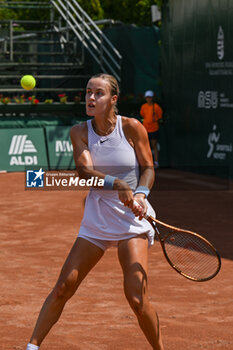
38, 229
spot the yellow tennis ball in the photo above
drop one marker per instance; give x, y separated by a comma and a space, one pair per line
28, 82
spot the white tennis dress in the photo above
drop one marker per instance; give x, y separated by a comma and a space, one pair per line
105, 217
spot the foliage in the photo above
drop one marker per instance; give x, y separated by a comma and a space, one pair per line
6, 14
127, 11
4, 100
160, 3
19, 99
93, 8
22, 13
63, 98
33, 100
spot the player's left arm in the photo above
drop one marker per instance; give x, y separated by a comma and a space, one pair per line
137, 137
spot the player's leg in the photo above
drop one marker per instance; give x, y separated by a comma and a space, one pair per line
133, 259
83, 256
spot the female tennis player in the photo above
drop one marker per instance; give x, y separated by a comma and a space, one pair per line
115, 149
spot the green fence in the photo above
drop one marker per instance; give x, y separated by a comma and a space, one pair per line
47, 147
60, 150
197, 73
140, 49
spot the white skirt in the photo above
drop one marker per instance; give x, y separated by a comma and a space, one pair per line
106, 218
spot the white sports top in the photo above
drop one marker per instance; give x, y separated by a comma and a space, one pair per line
113, 155
105, 217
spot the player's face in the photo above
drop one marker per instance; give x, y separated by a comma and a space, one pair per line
99, 100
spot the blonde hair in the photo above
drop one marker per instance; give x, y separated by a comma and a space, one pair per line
114, 87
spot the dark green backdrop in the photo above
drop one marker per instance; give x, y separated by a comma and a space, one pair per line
197, 75
139, 47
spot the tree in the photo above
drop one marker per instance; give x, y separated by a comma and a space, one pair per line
11, 12
127, 11
93, 8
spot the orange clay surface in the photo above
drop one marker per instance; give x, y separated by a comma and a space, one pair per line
37, 230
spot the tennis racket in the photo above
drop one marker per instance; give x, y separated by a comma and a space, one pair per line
190, 254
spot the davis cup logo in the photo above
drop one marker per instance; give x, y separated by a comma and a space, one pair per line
20, 145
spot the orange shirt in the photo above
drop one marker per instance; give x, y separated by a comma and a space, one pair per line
151, 116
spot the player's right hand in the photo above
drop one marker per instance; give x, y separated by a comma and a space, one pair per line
124, 192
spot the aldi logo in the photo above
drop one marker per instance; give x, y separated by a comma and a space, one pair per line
35, 178
19, 145
22, 149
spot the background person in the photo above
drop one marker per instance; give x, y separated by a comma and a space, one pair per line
151, 113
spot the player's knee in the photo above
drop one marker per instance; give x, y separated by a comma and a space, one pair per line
60, 291
65, 289
137, 304
137, 298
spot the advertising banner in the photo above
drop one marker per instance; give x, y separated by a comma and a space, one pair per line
22, 148
60, 149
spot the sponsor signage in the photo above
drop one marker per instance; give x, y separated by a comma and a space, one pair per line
220, 67
217, 149
21, 148
60, 149
213, 99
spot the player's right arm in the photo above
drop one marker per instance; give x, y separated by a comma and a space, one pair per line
81, 153
84, 163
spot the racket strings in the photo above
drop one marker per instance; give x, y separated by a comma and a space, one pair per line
191, 255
